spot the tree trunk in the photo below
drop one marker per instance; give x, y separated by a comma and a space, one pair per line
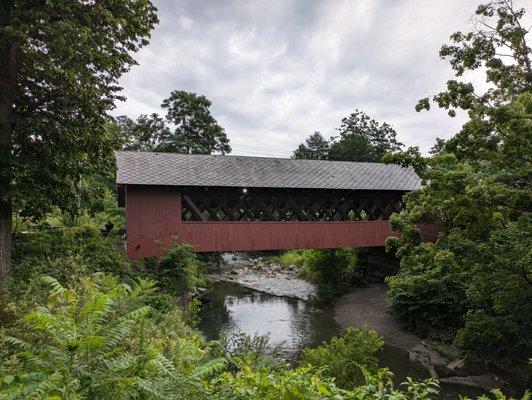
5, 243
8, 81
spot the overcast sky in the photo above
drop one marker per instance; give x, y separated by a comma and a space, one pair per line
277, 71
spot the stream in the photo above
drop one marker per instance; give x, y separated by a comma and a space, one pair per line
293, 323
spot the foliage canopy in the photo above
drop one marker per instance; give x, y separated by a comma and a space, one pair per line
60, 62
360, 138
188, 127
475, 280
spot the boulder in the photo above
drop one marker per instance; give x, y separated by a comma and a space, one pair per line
475, 365
449, 351
457, 367
422, 356
485, 382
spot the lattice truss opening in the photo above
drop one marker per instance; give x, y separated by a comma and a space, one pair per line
237, 204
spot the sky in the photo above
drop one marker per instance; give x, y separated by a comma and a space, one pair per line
277, 71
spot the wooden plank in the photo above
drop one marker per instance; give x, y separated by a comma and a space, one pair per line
194, 208
255, 236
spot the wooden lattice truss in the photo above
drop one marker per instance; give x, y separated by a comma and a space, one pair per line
238, 204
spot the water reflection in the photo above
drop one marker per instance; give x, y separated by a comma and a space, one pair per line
294, 323
297, 324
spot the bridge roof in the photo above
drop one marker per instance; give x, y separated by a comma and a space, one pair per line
170, 169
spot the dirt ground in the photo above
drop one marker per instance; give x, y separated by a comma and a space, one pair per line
365, 307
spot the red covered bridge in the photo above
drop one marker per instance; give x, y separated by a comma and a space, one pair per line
234, 203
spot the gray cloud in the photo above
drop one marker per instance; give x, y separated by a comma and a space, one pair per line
277, 71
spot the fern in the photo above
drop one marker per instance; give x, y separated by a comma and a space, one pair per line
210, 369
56, 288
117, 333
162, 365
99, 339
16, 342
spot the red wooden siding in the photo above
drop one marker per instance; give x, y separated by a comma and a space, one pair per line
153, 214
242, 236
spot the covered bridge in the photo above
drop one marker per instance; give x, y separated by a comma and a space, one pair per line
235, 203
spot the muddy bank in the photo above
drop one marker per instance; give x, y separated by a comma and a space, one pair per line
366, 307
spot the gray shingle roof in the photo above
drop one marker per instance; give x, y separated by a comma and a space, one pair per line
143, 168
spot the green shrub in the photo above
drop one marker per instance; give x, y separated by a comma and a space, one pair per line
178, 271
292, 257
379, 385
211, 261
338, 266
306, 383
97, 340
428, 292
334, 271
67, 253
251, 350
290, 384
44, 251
346, 358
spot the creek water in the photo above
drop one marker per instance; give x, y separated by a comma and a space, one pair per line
294, 323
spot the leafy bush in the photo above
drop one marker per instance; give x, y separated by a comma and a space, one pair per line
346, 358
178, 271
66, 253
380, 385
306, 383
333, 270
251, 350
292, 257
44, 251
339, 267
290, 384
70, 252
427, 292
99, 340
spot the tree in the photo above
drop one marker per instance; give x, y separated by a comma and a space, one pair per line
195, 129
59, 66
144, 134
363, 139
502, 50
352, 147
316, 147
477, 274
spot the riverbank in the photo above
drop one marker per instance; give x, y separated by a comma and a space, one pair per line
270, 281
365, 307
258, 275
